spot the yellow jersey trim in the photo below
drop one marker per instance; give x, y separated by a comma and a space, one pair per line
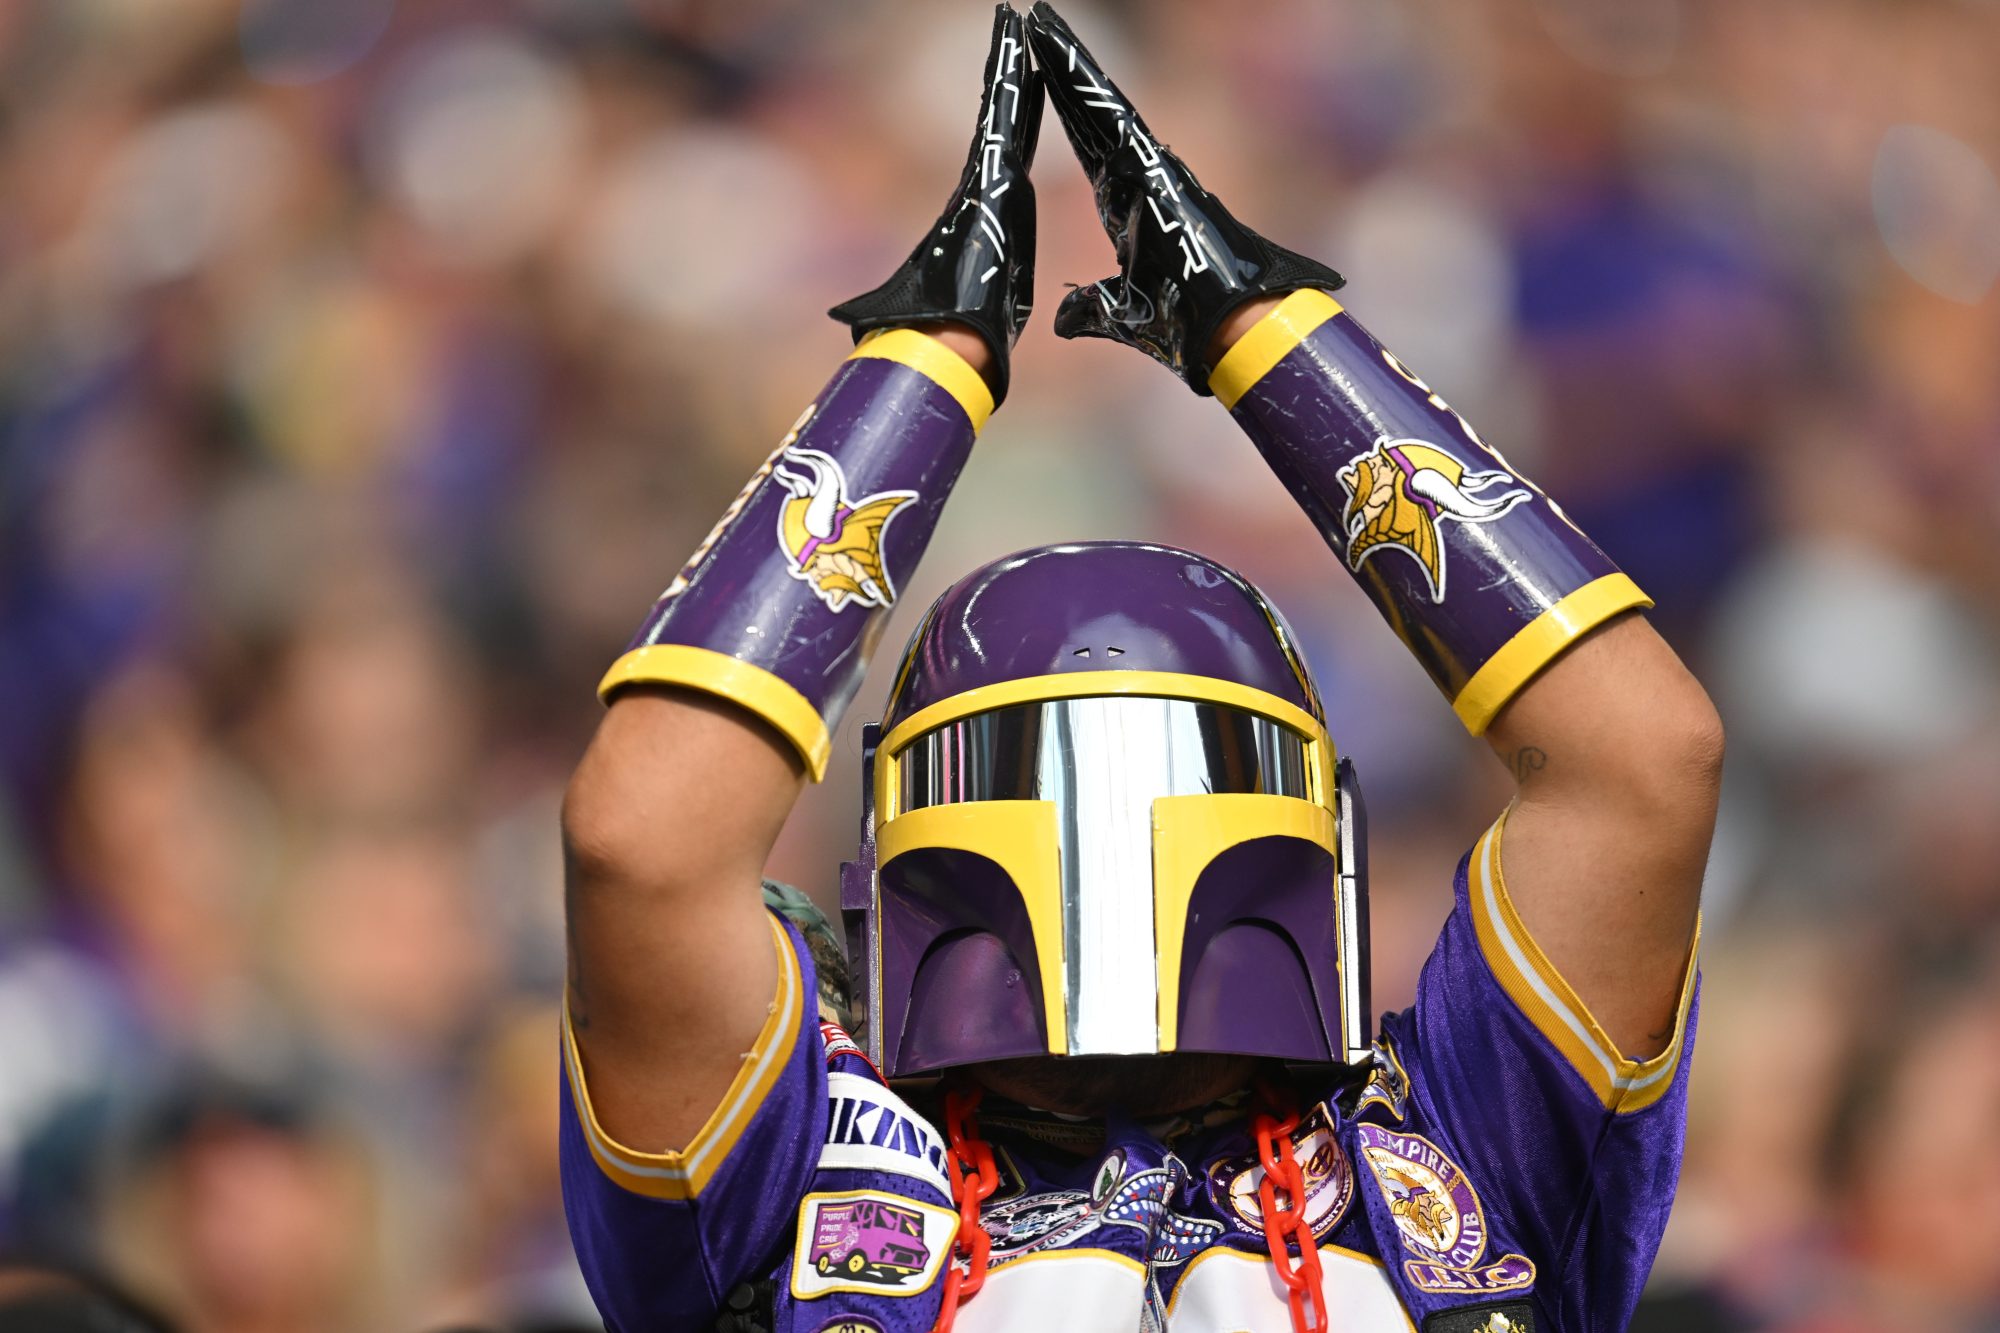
936, 363
1539, 643
682, 1175
745, 684
1258, 352
1327, 1251
1550, 1003
1124, 1261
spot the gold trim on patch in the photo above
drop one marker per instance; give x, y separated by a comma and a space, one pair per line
865, 1280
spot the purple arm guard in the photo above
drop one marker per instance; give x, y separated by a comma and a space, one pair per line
779, 609
1480, 574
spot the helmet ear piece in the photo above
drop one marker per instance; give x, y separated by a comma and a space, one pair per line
857, 905
1351, 817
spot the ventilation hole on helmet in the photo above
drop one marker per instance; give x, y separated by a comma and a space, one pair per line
1115, 652
1081, 652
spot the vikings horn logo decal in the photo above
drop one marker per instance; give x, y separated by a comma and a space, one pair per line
1399, 492
834, 543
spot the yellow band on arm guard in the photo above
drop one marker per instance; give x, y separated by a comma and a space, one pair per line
748, 686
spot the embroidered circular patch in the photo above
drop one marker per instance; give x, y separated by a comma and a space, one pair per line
1030, 1221
1436, 1209
1233, 1182
852, 1323
1108, 1177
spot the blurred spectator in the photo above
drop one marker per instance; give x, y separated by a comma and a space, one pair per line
245, 1211
41, 1300
1915, 1174
365, 370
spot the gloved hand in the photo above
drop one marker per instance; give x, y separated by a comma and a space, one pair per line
976, 266
1187, 262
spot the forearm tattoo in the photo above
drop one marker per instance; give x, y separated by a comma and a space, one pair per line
1529, 759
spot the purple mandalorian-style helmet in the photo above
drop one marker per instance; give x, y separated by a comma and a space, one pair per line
1103, 817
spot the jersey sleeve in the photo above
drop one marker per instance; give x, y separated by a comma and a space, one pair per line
662, 1238
1575, 1145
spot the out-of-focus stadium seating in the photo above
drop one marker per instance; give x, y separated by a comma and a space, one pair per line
366, 368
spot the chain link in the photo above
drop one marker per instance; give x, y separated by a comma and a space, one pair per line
973, 1180
1287, 1233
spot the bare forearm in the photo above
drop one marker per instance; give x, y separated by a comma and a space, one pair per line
670, 964
1616, 754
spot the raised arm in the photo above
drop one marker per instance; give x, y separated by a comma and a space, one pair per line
1616, 754
1614, 748
719, 713
726, 700
1531, 632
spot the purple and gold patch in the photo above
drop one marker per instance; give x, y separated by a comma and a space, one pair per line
1436, 1210
1233, 1182
1388, 1086
1510, 1272
1438, 1216
870, 1242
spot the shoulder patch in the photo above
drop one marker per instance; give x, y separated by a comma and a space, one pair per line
1438, 1218
1233, 1182
1388, 1086
870, 1128
1510, 1272
1513, 1317
869, 1241
1437, 1212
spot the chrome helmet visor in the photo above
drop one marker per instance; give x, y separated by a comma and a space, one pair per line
1102, 762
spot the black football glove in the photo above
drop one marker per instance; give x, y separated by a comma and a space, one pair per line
1187, 261
977, 265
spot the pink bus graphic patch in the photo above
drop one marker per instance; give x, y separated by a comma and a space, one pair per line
869, 1238
866, 1241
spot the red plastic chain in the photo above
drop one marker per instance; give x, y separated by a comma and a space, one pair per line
1287, 1233
973, 1180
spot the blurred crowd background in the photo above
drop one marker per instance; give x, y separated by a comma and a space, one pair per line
367, 368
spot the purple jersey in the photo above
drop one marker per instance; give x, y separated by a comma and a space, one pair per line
1503, 1169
